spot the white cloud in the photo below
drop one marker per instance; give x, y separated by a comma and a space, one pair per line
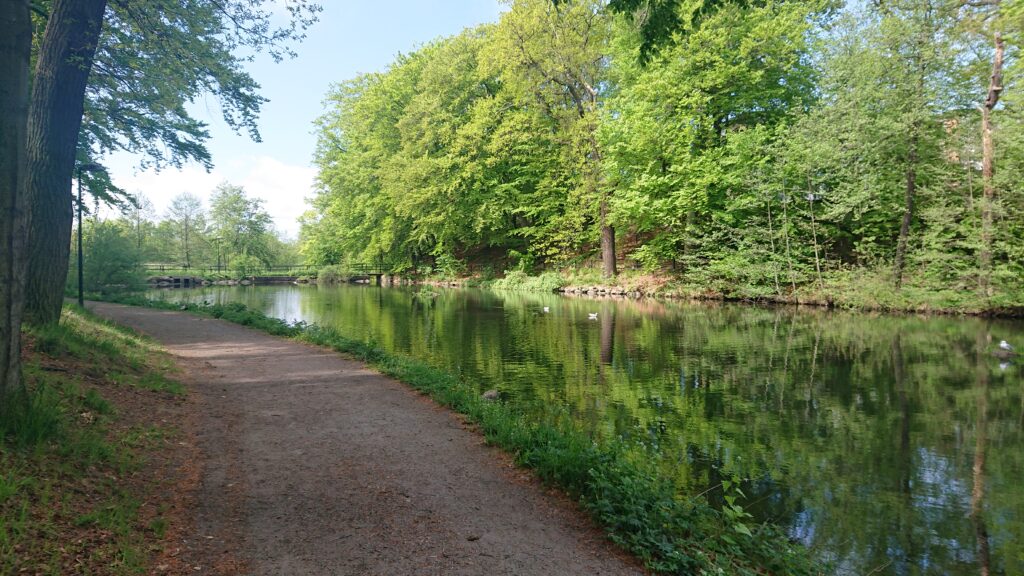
282, 187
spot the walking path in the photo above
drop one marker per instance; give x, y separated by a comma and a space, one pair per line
314, 464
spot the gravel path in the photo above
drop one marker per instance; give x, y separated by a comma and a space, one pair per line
314, 464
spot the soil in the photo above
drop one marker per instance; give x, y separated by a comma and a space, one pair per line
311, 463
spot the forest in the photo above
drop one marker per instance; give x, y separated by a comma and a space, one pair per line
761, 149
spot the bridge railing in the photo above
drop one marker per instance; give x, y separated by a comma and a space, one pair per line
275, 270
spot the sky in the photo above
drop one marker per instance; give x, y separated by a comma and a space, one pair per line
351, 38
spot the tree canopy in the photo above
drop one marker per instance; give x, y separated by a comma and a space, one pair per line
750, 149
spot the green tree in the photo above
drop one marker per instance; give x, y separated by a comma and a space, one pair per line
55, 115
556, 57
186, 213
243, 226
688, 135
110, 256
152, 58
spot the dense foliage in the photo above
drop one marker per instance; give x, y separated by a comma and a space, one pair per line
759, 150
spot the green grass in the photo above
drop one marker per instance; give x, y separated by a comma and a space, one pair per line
643, 513
65, 453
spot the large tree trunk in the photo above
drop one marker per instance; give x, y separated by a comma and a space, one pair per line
15, 50
55, 115
988, 151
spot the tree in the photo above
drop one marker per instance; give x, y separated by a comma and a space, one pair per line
186, 212
15, 50
243, 227
556, 56
155, 57
55, 115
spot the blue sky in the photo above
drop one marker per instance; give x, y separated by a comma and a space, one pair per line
352, 37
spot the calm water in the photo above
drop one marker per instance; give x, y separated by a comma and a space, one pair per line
889, 445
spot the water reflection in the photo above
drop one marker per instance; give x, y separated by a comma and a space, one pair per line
889, 445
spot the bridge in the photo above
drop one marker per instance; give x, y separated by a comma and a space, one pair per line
186, 276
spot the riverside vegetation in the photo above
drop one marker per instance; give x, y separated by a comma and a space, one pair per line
867, 154
85, 452
640, 509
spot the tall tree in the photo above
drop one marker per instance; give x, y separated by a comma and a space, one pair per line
152, 58
15, 50
55, 115
242, 225
186, 212
556, 56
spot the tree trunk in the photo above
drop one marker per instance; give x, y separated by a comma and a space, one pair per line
607, 244
988, 151
908, 209
15, 50
55, 115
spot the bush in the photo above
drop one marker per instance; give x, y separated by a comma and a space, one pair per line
520, 281
331, 275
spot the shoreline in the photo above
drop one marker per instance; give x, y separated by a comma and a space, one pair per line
600, 291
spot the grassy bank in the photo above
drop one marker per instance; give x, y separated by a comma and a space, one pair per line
859, 289
646, 515
86, 452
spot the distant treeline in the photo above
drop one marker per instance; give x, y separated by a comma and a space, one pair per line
748, 148
235, 236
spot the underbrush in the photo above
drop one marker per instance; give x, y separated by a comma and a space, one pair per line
71, 460
645, 514
517, 280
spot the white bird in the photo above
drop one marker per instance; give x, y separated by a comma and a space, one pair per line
546, 309
1005, 345
592, 315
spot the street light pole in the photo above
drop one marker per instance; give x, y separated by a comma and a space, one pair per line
81, 296
82, 168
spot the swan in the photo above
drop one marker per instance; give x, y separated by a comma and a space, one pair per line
592, 316
1005, 345
546, 309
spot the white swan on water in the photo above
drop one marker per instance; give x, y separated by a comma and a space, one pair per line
1005, 345
592, 316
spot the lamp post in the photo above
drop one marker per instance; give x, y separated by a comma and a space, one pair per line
88, 167
217, 239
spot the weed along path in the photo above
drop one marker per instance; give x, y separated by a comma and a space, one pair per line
314, 464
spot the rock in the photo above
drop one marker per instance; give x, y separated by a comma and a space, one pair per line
491, 395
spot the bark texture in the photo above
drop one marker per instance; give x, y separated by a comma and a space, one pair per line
55, 116
15, 50
988, 152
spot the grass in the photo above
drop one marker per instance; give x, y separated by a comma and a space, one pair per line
73, 475
643, 513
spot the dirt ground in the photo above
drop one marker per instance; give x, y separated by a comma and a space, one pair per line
310, 463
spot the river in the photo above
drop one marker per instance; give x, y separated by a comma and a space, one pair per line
887, 444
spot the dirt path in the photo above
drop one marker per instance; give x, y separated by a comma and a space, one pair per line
314, 464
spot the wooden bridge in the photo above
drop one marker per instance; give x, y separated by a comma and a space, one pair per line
188, 276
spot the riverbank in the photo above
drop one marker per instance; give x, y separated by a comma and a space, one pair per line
639, 510
95, 460
862, 290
